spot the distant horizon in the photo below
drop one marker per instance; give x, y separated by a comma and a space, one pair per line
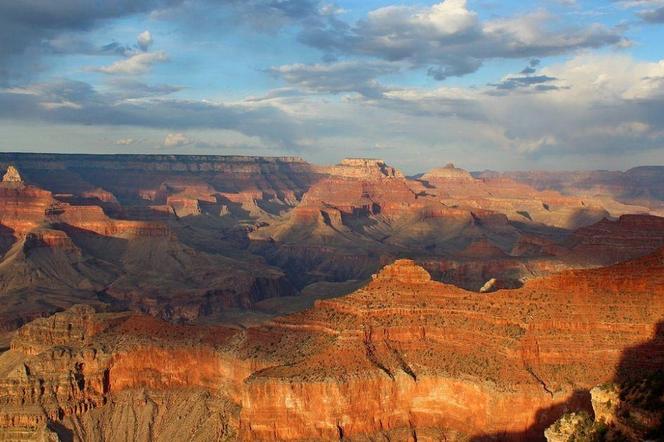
409, 174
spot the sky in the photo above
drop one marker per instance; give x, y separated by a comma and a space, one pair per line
486, 84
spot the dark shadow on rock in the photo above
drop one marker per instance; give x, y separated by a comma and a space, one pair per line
580, 400
636, 363
642, 360
64, 434
7, 239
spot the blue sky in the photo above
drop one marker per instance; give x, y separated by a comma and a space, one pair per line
554, 84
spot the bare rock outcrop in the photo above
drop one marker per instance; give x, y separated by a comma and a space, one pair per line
570, 427
449, 172
74, 327
12, 176
368, 168
489, 286
403, 271
423, 355
605, 402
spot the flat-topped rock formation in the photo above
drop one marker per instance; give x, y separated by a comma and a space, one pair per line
134, 178
608, 242
642, 186
364, 168
140, 161
427, 358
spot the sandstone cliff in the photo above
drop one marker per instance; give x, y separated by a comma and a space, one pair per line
424, 357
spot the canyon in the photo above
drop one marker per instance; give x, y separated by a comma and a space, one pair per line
430, 360
198, 297
192, 238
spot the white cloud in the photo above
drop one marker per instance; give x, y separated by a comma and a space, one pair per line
177, 139
588, 106
451, 40
63, 104
144, 40
445, 18
125, 141
136, 64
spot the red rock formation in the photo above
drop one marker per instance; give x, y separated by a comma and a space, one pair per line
22, 207
49, 238
78, 327
364, 168
382, 347
449, 172
608, 242
135, 177
641, 186
57, 254
421, 355
518, 201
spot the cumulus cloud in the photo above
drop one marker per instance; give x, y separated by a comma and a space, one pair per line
144, 40
124, 141
176, 139
609, 104
135, 64
653, 15
592, 104
451, 39
25, 25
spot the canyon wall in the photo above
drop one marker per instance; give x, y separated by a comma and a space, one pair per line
402, 355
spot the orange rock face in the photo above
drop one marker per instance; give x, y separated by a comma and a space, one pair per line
22, 207
432, 355
608, 241
640, 185
403, 353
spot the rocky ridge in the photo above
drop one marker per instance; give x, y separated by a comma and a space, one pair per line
425, 356
190, 238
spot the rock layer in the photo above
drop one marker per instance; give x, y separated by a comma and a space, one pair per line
422, 355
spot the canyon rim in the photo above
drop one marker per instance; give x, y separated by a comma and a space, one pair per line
331, 220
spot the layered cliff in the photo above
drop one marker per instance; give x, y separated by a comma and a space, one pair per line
140, 179
608, 241
438, 356
187, 237
424, 357
637, 186
348, 224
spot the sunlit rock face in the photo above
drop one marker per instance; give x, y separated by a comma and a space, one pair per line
449, 172
12, 176
367, 168
425, 358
